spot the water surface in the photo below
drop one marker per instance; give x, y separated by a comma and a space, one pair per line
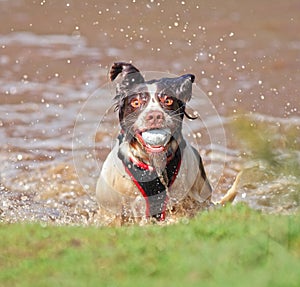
54, 60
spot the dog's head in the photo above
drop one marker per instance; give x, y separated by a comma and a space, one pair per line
150, 112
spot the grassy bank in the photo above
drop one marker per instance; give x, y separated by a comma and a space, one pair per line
233, 246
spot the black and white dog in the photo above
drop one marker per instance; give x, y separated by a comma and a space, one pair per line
152, 170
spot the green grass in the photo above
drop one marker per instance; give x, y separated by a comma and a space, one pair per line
231, 246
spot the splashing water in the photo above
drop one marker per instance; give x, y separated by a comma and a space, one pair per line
49, 69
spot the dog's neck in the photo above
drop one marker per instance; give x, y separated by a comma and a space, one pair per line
139, 156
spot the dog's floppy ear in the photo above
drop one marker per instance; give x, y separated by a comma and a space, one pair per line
129, 72
130, 76
122, 67
184, 88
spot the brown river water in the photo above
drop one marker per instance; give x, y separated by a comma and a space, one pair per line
56, 117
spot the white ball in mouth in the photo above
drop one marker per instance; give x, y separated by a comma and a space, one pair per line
157, 137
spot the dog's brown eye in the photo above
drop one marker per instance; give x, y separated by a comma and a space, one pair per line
135, 102
167, 101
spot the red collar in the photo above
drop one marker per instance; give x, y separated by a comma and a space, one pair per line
141, 164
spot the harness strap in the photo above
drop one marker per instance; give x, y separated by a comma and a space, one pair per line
148, 182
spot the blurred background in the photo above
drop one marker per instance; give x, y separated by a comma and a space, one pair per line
55, 54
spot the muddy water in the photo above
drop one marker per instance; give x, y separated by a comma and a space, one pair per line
54, 60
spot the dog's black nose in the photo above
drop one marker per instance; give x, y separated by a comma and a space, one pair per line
155, 117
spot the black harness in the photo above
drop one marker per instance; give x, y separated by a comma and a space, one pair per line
149, 183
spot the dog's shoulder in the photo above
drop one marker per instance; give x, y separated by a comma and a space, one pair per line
191, 178
114, 184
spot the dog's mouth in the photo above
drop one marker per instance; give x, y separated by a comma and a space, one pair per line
155, 140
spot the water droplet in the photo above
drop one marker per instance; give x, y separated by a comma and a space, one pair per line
12, 90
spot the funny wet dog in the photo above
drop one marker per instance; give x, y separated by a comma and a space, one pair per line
152, 170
